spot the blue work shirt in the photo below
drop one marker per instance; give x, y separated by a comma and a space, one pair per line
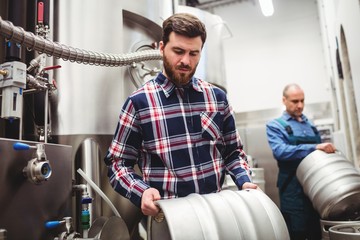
278, 138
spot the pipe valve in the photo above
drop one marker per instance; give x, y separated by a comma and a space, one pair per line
69, 233
38, 169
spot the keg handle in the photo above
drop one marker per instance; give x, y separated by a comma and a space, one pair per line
339, 152
160, 217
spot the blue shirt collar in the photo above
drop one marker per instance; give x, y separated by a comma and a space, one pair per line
287, 117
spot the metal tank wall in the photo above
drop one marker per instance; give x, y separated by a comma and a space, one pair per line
26, 205
89, 98
211, 67
84, 109
3, 13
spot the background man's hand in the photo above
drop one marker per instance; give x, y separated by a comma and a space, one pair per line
326, 147
148, 199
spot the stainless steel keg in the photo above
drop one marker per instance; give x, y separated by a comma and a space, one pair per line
326, 225
333, 185
245, 214
345, 232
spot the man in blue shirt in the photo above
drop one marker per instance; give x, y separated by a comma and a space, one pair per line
179, 129
292, 137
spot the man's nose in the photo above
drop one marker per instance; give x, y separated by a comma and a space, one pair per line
185, 60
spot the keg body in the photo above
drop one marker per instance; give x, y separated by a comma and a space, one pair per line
332, 183
245, 214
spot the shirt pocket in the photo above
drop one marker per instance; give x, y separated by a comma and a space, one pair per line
211, 124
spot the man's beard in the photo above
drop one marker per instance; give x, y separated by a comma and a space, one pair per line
180, 79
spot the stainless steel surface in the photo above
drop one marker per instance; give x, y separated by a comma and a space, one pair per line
326, 225
345, 232
89, 98
96, 226
90, 159
333, 185
114, 229
246, 214
131, 214
25, 206
140, 34
211, 67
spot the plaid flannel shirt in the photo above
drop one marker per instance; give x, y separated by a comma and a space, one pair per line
183, 139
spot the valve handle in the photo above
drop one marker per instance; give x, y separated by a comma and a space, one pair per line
86, 200
52, 224
21, 146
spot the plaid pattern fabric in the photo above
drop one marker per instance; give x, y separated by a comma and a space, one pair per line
183, 139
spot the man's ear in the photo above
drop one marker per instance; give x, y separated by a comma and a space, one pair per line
161, 47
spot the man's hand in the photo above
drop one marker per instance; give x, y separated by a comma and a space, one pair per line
248, 185
326, 147
148, 198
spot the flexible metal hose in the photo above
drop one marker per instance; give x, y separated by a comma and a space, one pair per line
68, 53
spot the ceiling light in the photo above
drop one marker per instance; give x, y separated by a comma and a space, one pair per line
267, 7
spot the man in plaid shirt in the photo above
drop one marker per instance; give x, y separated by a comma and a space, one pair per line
179, 129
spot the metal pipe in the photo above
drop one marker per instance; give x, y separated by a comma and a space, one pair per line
58, 50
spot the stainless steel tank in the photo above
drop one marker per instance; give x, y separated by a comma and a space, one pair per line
211, 67
89, 98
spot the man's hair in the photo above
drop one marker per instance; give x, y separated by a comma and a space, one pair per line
287, 87
184, 24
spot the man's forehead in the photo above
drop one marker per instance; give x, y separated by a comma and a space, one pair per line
186, 43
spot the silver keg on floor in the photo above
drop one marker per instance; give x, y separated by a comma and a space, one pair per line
326, 225
345, 232
332, 183
245, 214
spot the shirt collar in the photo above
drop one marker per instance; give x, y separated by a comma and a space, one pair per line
169, 87
287, 116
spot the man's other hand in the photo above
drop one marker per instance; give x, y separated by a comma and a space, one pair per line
148, 199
